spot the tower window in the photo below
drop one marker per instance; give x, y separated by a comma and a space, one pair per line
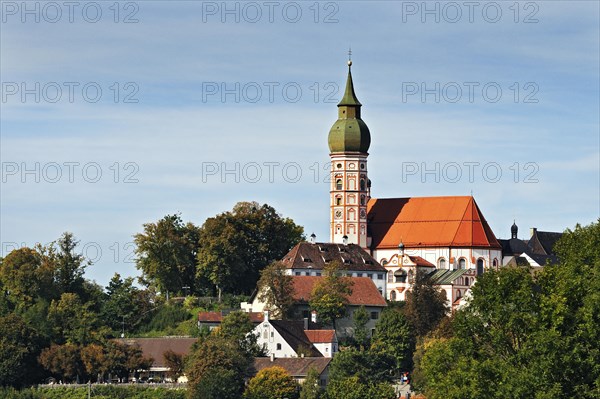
338, 184
362, 184
362, 166
339, 166
338, 200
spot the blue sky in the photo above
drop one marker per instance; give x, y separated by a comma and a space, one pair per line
186, 92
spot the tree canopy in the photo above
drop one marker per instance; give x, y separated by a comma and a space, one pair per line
236, 245
525, 334
276, 290
166, 254
329, 297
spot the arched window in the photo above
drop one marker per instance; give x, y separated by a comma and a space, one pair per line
462, 263
338, 200
390, 277
338, 184
495, 263
362, 185
441, 263
400, 275
392, 295
479, 266
458, 294
362, 199
351, 214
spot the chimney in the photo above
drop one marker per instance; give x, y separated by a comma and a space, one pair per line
313, 238
266, 315
272, 357
533, 230
313, 317
306, 324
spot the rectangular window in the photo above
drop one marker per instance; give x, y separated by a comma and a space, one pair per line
370, 275
278, 347
374, 315
380, 276
297, 273
318, 274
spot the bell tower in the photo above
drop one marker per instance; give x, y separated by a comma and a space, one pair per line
349, 141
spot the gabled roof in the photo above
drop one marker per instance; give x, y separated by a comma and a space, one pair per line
512, 247
320, 336
445, 276
217, 317
306, 255
293, 333
364, 291
295, 366
417, 260
428, 222
155, 347
542, 242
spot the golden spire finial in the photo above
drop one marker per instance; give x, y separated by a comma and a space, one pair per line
349, 56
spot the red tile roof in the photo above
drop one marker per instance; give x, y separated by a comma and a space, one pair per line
320, 336
217, 317
155, 347
417, 260
428, 222
364, 291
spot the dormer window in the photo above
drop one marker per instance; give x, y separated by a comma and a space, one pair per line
307, 260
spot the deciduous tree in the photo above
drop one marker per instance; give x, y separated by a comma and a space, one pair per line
329, 297
166, 254
276, 290
426, 305
272, 383
393, 337
235, 246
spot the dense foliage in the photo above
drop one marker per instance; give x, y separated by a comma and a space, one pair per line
276, 290
235, 246
272, 383
329, 297
525, 334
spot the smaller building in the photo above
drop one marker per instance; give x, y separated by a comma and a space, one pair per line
402, 271
295, 338
297, 367
310, 258
324, 340
537, 251
456, 284
364, 293
212, 320
155, 348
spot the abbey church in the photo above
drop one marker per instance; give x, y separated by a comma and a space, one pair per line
443, 233
388, 240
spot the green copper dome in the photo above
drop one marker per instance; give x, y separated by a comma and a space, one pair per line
349, 133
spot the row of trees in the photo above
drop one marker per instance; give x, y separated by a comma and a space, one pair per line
224, 255
525, 334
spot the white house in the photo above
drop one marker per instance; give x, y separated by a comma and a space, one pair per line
292, 338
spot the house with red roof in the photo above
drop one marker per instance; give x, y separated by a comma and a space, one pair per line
364, 293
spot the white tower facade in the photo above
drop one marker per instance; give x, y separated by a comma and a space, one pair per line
349, 141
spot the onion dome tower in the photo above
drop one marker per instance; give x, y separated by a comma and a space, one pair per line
349, 141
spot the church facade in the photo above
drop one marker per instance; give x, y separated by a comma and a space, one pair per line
403, 234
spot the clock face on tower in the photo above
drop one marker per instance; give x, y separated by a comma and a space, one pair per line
338, 214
